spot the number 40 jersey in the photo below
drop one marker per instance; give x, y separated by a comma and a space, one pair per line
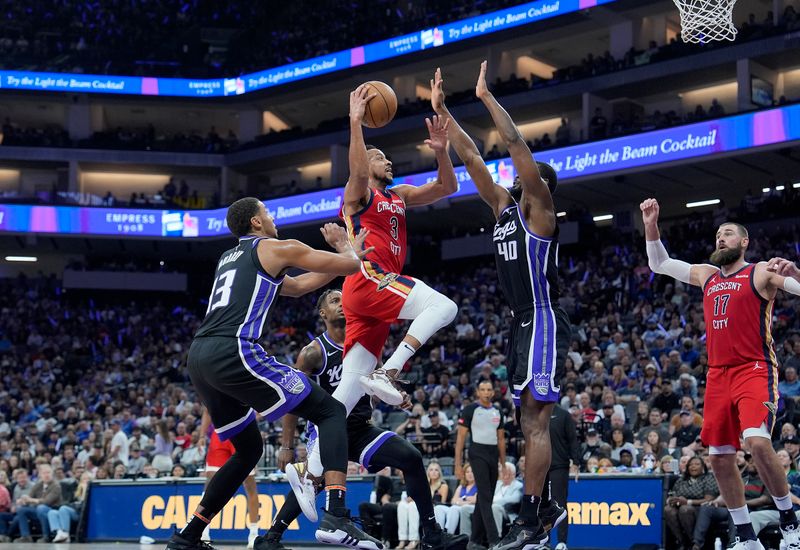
527, 264
243, 295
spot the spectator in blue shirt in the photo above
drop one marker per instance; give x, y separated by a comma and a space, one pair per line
790, 386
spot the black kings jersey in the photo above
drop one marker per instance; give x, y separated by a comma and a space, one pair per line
243, 295
527, 264
330, 374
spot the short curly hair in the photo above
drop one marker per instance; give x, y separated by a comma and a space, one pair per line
239, 215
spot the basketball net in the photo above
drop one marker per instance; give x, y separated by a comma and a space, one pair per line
705, 21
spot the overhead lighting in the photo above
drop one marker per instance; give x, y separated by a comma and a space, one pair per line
561, 214
796, 185
28, 259
603, 217
709, 202
779, 188
765, 190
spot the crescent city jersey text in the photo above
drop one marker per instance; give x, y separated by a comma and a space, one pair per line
527, 264
243, 295
385, 217
738, 320
330, 374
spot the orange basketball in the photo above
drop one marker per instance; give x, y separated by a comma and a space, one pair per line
381, 108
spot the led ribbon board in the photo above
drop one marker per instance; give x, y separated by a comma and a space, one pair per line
426, 39
736, 133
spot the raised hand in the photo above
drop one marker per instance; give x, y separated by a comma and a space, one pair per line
437, 93
358, 102
358, 244
784, 267
481, 89
437, 128
650, 210
336, 236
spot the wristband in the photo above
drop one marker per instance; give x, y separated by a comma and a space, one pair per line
286, 449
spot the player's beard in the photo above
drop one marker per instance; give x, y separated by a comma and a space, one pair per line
726, 256
385, 181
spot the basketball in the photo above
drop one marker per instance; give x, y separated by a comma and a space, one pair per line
381, 108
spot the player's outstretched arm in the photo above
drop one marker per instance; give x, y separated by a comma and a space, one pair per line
446, 183
657, 257
532, 184
277, 256
357, 188
492, 194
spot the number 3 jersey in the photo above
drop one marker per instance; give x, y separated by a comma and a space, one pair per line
243, 295
527, 265
385, 217
738, 320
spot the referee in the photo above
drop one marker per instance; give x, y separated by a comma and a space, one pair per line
487, 450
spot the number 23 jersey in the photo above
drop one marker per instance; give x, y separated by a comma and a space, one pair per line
738, 320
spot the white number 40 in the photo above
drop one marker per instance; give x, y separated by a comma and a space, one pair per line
221, 294
508, 250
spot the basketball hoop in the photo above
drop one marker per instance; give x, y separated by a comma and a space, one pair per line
705, 21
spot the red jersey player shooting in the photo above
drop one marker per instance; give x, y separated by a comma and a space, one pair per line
742, 383
380, 294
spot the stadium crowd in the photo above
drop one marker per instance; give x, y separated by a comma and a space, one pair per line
93, 389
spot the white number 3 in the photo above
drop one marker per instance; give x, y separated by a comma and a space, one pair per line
222, 288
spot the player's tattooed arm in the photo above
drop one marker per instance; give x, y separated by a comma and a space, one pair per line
657, 256
309, 360
492, 194
356, 192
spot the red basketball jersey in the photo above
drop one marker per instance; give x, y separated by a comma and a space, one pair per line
738, 320
385, 217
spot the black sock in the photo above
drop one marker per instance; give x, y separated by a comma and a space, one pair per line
529, 512
546, 492
745, 531
335, 499
194, 529
289, 512
788, 518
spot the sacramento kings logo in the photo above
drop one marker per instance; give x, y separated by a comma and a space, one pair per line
292, 383
541, 383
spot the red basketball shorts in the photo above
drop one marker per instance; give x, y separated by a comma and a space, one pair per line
737, 399
372, 300
219, 452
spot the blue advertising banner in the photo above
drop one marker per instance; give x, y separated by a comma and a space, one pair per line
337, 61
124, 511
736, 133
608, 511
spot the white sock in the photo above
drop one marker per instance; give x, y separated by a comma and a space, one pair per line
401, 355
740, 516
253, 528
784, 502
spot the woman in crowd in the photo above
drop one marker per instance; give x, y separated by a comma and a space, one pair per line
61, 519
654, 445
439, 491
642, 416
407, 523
463, 498
165, 443
786, 461
695, 487
619, 444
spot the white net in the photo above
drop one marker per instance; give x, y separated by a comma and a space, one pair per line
705, 21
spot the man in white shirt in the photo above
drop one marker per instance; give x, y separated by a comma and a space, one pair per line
507, 496
119, 443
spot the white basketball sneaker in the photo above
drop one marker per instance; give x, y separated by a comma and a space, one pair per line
380, 384
303, 487
791, 537
747, 545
